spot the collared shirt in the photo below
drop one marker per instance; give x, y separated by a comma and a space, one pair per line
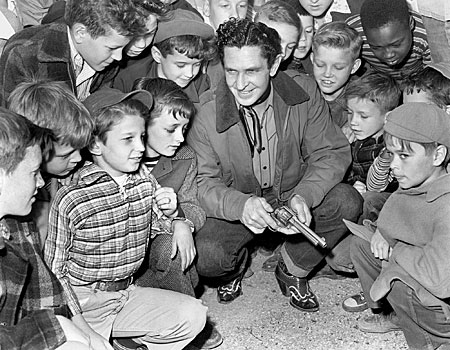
420, 53
83, 72
100, 232
264, 162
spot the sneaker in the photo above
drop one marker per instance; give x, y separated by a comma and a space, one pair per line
127, 344
230, 291
355, 303
379, 323
208, 338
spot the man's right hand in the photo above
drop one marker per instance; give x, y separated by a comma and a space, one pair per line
256, 215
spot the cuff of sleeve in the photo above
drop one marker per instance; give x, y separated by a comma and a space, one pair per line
187, 221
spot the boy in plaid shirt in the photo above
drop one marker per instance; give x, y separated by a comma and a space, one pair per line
99, 231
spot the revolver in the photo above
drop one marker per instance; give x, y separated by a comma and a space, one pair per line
285, 217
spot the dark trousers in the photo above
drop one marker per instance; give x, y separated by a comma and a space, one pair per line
222, 246
342, 202
424, 327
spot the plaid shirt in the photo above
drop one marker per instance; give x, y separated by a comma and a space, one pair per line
99, 231
364, 153
30, 294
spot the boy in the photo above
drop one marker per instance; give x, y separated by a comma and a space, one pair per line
32, 310
99, 230
335, 58
283, 18
432, 85
50, 104
407, 260
216, 12
394, 38
368, 98
76, 52
181, 46
301, 60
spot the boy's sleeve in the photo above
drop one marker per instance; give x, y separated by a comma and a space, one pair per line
379, 175
430, 264
57, 247
40, 330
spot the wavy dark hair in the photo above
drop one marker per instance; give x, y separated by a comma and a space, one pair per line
243, 32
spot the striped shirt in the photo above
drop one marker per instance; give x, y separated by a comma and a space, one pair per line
379, 175
419, 56
99, 231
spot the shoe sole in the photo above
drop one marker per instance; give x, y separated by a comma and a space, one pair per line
304, 310
365, 330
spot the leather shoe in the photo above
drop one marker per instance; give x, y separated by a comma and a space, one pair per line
301, 295
208, 338
230, 291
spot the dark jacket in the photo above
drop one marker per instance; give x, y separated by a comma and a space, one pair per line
179, 172
30, 295
42, 52
147, 67
312, 152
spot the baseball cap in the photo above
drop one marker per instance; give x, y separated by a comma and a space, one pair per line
419, 122
183, 22
107, 97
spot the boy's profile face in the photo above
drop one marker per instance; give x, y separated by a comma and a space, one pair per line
316, 7
177, 67
289, 35
365, 118
19, 188
306, 36
247, 73
165, 134
124, 146
219, 11
391, 44
411, 168
63, 160
100, 52
141, 42
332, 68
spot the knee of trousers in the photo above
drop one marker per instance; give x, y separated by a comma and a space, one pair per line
358, 249
345, 201
193, 314
214, 260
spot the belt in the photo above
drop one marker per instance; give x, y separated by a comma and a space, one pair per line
113, 286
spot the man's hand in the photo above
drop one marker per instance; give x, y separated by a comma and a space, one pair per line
360, 187
256, 215
348, 132
166, 199
380, 247
183, 243
299, 206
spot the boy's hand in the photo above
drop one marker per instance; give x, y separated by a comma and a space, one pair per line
348, 132
380, 247
360, 187
183, 243
166, 199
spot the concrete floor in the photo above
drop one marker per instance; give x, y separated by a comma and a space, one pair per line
263, 319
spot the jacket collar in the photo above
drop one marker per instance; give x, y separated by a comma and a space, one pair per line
55, 45
227, 113
90, 173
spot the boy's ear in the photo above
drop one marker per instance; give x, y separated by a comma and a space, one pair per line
95, 148
276, 64
439, 155
156, 54
412, 23
79, 32
206, 10
356, 65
